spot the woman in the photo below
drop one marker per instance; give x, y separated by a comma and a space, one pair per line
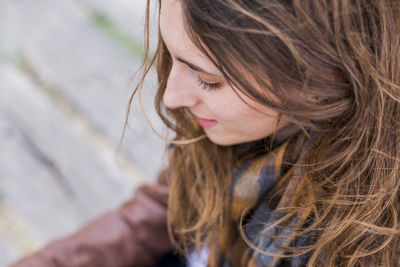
287, 140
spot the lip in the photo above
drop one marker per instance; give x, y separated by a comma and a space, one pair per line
205, 123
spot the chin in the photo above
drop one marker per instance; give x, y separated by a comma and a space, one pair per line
224, 140
227, 140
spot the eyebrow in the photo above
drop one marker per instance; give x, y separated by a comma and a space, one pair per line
196, 68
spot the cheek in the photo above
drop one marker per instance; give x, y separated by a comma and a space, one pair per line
260, 122
254, 112
227, 106
230, 110
229, 114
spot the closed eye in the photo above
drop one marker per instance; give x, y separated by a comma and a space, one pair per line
209, 87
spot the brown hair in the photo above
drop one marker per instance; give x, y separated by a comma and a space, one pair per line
332, 66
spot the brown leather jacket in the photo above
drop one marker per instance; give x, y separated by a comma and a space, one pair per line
135, 235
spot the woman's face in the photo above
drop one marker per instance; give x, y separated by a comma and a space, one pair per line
195, 83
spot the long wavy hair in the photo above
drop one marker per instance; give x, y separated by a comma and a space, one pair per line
329, 65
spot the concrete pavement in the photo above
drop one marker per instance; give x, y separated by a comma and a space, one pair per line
65, 69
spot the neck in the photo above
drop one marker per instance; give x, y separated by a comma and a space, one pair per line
285, 133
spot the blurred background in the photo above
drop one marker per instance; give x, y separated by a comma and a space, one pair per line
65, 80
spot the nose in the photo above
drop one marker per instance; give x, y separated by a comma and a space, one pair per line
179, 91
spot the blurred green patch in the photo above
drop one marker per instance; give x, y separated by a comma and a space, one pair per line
10, 53
16, 57
107, 25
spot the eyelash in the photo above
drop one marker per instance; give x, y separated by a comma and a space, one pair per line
209, 87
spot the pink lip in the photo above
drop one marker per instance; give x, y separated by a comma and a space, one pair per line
206, 123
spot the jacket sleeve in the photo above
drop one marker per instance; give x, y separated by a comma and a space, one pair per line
134, 235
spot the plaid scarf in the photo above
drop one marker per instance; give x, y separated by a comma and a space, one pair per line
253, 192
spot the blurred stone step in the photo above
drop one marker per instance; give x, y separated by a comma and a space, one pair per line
128, 15
51, 178
79, 64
